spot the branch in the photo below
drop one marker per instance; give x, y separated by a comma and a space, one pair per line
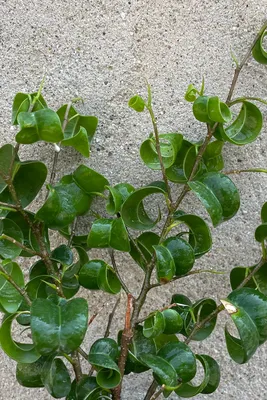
151, 390
13, 283
18, 244
77, 365
126, 338
125, 288
6, 205
158, 393
111, 316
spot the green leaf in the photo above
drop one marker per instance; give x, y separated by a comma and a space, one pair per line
173, 321
6, 155
96, 274
198, 312
64, 325
102, 355
170, 144
44, 235
261, 233
109, 233
107, 280
245, 128
89, 181
210, 382
213, 156
145, 243
56, 378
137, 103
199, 235
22, 102
63, 255
65, 201
164, 372
164, 264
87, 389
200, 109
117, 196
258, 51
189, 162
20, 352
218, 195
181, 358
163, 339
10, 298
154, 325
28, 181
19, 220
258, 281
133, 212
70, 284
182, 254
139, 345
43, 124
9, 249
264, 213
191, 93
79, 142
176, 172
207, 109
29, 375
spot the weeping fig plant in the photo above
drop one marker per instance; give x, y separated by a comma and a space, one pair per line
45, 301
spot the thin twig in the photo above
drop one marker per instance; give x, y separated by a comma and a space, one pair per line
111, 316
112, 257
73, 229
151, 390
18, 244
82, 353
14, 284
77, 365
158, 393
7, 205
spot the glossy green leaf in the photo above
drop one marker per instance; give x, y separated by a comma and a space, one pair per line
87, 389
88, 180
37, 288
165, 266
109, 233
139, 345
210, 382
133, 212
182, 254
20, 352
22, 102
88, 275
24, 227
189, 162
63, 255
29, 375
258, 51
191, 93
79, 142
218, 195
164, 372
163, 339
70, 284
144, 243
65, 201
245, 128
9, 249
199, 233
117, 196
213, 156
34, 243
43, 124
28, 181
258, 281
170, 144
102, 355
200, 109
184, 305
6, 155
154, 325
181, 358
173, 321
207, 109
56, 378
137, 103
64, 325
176, 172
107, 280
198, 312
76, 121
10, 298
261, 233
255, 305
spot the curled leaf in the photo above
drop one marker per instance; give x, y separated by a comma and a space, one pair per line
109, 233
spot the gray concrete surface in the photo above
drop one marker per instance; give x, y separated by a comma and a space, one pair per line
102, 50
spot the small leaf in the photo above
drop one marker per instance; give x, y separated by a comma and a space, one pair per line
10, 298
88, 180
118, 194
170, 143
109, 233
164, 264
65, 325
56, 378
102, 355
29, 375
218, 195
88, 275
43, 124
191, 93
213, 156
79, 142
182, 254
258, 281
63, 255
22, 102
9, 249
133, 213
154, 325
173, 321
137, 103
107, 280
20, 352
258, 51
19, 220
261, 233
207, 109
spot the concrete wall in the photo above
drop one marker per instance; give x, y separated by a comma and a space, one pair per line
102, 50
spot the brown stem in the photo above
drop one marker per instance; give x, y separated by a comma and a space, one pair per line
158, 393
111, 316
13, 283
126, 338
151, 390
18, 244
76, 365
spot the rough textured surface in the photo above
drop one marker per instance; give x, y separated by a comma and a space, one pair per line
102, 50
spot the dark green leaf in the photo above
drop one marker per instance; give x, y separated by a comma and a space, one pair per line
118, 194
102, 355
10, 298
88, 180
201, 310
56, 378
182, 254
164, 372
218, 194
176, 172
258, 281
65, 201
144, 244
9, 249
63, 255
88, 275
133, 213
164, 264
109, 233
22, 102
258, 52
64, 325
79, 142
154, 325
213, 156
173, 321
20, 352
107, 280
24, 226
29, 375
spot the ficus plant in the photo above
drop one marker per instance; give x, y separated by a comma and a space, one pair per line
44, 300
